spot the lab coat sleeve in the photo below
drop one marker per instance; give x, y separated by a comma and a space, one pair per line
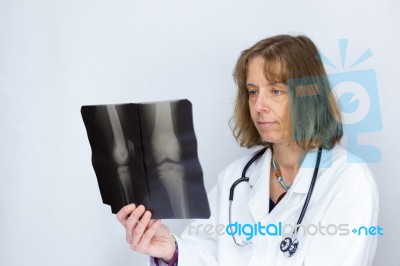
198, 243
355, 204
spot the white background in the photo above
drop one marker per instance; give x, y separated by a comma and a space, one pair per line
58, 55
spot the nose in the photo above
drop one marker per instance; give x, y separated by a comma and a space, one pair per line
262, 104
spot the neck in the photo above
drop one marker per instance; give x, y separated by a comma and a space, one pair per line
288, 156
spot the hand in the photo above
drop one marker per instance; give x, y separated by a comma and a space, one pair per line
146, 235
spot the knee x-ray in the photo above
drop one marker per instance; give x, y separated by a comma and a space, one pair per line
146, 153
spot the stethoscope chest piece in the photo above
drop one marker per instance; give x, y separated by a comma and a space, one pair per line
289, 246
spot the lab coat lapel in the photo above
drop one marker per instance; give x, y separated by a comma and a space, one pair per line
302, 181
259, 181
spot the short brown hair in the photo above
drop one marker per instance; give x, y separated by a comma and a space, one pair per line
314, 112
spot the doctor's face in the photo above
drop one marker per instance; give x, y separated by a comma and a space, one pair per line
268, 103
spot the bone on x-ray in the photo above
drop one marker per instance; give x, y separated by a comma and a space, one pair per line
146, 153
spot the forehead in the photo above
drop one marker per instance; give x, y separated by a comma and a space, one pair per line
255, 67
260, 68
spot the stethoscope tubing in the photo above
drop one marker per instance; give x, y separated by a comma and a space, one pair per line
311, 189
244, 178
293, 239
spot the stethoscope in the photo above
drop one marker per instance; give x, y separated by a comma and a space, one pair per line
288, 245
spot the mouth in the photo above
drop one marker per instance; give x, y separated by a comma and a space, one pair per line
266, 124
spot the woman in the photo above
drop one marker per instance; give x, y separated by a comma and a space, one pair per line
284, 103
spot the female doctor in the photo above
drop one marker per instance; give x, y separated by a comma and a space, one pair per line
305, 202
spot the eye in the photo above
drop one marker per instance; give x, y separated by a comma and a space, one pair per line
252, 92
276, 91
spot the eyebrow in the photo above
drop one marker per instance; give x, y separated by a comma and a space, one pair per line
269, 83
250, 85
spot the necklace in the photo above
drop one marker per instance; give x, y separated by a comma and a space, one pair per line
279, 175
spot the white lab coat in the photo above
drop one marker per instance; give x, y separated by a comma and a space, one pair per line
344, 193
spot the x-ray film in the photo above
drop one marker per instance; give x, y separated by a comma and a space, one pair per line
146, 153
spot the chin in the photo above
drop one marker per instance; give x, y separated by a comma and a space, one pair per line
273, 140
274, 137
268, 139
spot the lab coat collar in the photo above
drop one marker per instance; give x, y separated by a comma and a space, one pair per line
302, 181
259, 181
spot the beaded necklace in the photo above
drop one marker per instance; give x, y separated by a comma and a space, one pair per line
279, 175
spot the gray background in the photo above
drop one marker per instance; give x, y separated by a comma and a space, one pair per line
58, 55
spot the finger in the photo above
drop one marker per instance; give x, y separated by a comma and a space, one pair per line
132, 222
144, 243
152, 221
124, 213
140, 228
